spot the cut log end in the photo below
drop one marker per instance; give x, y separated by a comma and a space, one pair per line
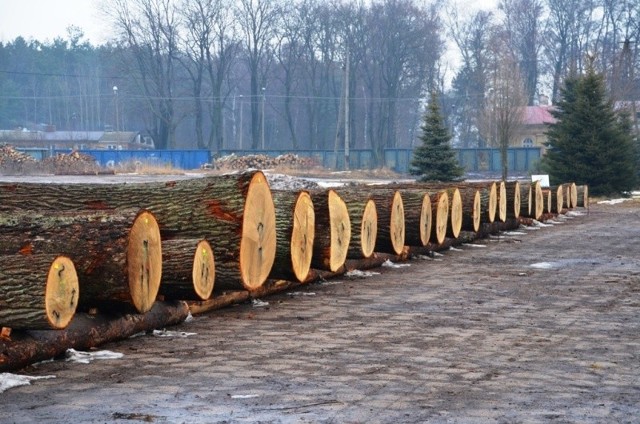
517, 201
340, 231
573, 195
540, 200
258, 240
456, 213
302, 236
442, 216
502, 202
397, 230
61, 293
369, 229
144, 261
425, 220
477, 210
493, 203
204, 270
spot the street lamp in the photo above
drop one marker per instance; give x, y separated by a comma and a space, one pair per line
115, 100
262, 123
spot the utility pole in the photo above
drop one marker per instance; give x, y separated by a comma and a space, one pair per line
115, 100
262, 123
240, 129
346, 113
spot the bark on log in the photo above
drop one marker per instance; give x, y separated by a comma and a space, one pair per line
440, 214
295, 232
471, 208
117, 254
513, 199
363, 216
85, 332
37, 292
212, 208
547, 195
455, 205
188, 269
417, 216
526, 201
582, 196
488, 199
391, 225
332, 231
502, 201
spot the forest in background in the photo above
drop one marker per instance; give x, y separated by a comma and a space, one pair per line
310, 74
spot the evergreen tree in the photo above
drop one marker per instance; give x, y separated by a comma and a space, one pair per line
434, 160
590, 144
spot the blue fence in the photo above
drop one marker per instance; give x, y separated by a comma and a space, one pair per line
182, 159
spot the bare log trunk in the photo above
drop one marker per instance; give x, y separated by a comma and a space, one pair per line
557, 199
417, 216
37, 291
513, 199
295, 232
117, 254
471, 209
85, 332
188, 269
582, 196
440, 214
526, 201
363, 215
391, 225
332, 231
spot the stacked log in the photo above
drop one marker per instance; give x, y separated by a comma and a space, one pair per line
440, 216
571, 195
488, 199
288, 160
557, 199
363, 216
526, 199
514, 203
574, 195
295, 232
582, 196
236, 210
547, 194
539, 199
502, 201
117, 254
188, 269
455, 206
332, 231
44, 297
391, 224
417, 216
471, 209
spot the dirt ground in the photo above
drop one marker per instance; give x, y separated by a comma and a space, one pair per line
531, 326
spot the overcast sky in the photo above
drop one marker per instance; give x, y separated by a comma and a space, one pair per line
47, 19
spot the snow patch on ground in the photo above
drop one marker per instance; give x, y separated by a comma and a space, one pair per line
293, 294
168, 333
455, 249
612, 201
514, 233
82, 357
257, 303
9, 381
474, 245
390, 264
356, 273
543, 265
288, 182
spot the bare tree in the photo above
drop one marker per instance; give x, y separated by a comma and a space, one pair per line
149, 28
258, 21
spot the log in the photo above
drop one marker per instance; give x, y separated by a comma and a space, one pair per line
212, 207
513, 199
117, 254
570, 195
85, 332
574, 195
502, 201
295, 232
188, 269
557, 199
363, 216
547, 195
526, 201
538, 198
455, 206
391, 225
417, 216
440, 214
332, 231
488, 199
471, 209
37, 292
582, 196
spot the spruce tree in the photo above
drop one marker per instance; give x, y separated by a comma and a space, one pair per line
589, 143
434, 160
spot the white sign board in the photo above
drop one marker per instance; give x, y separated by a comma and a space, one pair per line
544, 180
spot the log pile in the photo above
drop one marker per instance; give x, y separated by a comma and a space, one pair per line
73, 163
289, 160
216, 240
13, 161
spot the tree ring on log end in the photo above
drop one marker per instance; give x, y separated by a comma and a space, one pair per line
456, 213
477, 210
539, 196
574, 195
396, 222
258, 240
425, 219
340, 231
302, 235
369, 229
442, 216
61, 292
559, 199
502, 202
204, 270
144, 261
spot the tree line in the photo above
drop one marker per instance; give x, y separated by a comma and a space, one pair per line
314, 74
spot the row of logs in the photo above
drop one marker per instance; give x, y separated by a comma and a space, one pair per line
64, 246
